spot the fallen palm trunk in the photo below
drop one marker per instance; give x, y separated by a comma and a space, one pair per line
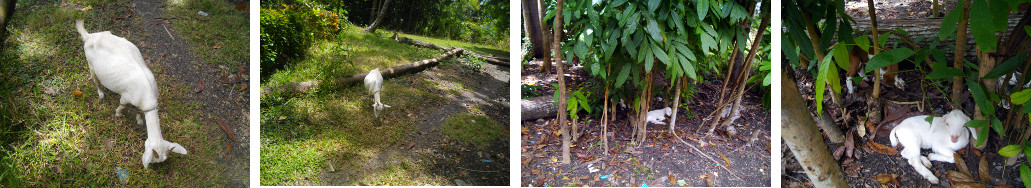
538, 107
490, 59
302, 87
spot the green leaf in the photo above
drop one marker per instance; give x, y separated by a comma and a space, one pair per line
940, 70
980, 97
982, 136
653, 29
623, 74
660, 54
653, 4
863, 42
1021, 97
841, 55
703, 8
974, 123
833, 79
1010, 150
888, 58
689, 68
1025, 175
997, 126
1027, 29
821, 81
948, 26
981, 26
1006, 67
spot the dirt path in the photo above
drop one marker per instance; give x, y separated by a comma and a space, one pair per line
483, 91
164, 46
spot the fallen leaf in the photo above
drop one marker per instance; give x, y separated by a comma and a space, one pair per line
242, 88
553, 159
217, 46
77, 93
724, 158
961, 165
225, 128
87, 8
565, 178
958, 177
884, 178
982, 170
200, 87
968, 185
881, 148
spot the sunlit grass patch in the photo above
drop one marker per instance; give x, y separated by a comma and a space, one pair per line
220, 38
476, 130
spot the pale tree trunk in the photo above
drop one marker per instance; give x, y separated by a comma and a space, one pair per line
746, 70
6, 11
803, 138
379, 18
825, 121
557, 50
873, 105
546, 64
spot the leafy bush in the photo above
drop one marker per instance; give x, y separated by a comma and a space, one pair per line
286, 33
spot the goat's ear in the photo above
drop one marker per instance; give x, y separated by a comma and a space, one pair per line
176, 148
148, 154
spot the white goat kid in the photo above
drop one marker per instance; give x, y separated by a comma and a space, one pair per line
374, 82
118, 65
659, 116
944, 135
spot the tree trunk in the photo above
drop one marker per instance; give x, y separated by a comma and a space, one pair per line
546, 64
532, 25
6, 11
379, 18
556, 48
957, 62
302, 87
745, 71
803, 138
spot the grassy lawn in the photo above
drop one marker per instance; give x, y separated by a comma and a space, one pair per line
303, 135
53, 129
208, 36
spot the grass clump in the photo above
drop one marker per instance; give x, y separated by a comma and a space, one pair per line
476, 130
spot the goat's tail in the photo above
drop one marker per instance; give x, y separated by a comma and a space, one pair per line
81, 29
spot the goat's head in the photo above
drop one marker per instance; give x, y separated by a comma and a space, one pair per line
160, 147
956, 122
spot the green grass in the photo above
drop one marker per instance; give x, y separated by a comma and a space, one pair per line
50, 135
208, 38
476, 130
301, 134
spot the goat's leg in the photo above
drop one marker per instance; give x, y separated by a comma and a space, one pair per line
943, 157
96, 82
139, 121
118, 111
917, 164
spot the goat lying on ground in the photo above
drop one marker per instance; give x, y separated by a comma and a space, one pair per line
944, 135
118, 65
657, 116
374, 82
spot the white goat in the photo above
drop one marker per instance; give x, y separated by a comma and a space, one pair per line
944, 135
374, 82
118, 65
659, 116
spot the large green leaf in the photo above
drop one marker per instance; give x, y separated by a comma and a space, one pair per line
1021, 97
1006, 67
653, 4
980, 96
841, 55
886, 58
997, 126
982, 26
863, 42
1011, 150
653, 29
939, 70
689, 68
703, 8
821, 81
834, 79
948, 26
623, 74
1025, 174
660, 53
979, 123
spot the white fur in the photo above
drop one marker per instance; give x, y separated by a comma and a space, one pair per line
1003, 85
118, 65
944, 135
658, 116
374, 82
